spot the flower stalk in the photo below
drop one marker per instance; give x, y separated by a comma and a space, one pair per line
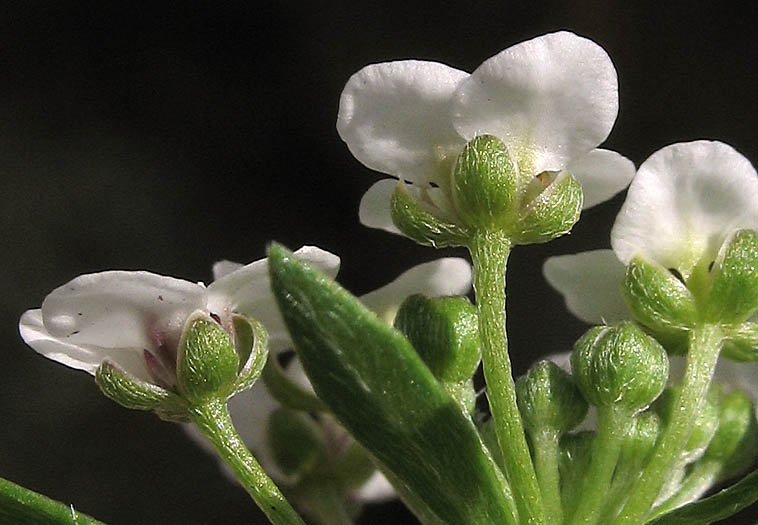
213, 420
489, 252
704, 347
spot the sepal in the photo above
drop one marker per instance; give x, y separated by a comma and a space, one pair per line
657, 299
135, 394
552, 213
251, 344
733, 294
207, 361
422, 222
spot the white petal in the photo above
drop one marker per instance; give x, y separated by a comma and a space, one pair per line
552, 99
78, 356
684, 201
247, 290
375, 490
119, 309
375, 209
447, 276
223, 268
590, 282
395, 117
602, 174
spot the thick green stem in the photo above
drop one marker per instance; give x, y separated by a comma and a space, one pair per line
613, 424
704, 348
702, 477
546, 466
214, 422
489, 251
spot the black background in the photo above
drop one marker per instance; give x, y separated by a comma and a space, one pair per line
164, 138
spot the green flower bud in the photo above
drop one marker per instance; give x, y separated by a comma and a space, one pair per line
741, 342
207, 362
735, 443
706, 422
619, 366
574, 458
485, 183
733, 295
423, 223
135, 394
549, 400
639, 442
657, 299
552, 213
444, 331
296, 441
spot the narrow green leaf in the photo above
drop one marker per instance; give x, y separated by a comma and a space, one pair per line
381, 391
22, 506
720, 506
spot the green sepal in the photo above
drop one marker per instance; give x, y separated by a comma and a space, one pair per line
720, 506
485, 183
251, 344
21, 506
549, 400
382, 392
733, 294
619, 366
207, 363
135, 394
445, 333
657, 299
422, 223
552, 213
741, 342
295, 440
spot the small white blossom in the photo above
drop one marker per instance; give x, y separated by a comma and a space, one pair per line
684, 202
552, 100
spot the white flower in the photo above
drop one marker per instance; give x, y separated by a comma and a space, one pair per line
135, 319
684, 202
552, 100
251, 411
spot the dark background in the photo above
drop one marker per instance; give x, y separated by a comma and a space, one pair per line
164, 138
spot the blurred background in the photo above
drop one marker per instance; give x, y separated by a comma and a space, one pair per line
165, 138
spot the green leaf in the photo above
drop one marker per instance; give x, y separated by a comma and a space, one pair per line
720, 506
22, 506
383, 393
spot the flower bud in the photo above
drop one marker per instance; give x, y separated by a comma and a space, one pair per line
296, 441
733, 295
575, 454
207, 362
549, 400
706, 421
444, 331
735, 443
485, 183
422, 223
656, 298
619, 366
639, 442
552, 213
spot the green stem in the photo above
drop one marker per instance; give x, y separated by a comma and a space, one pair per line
489, 251
546, 466
21, 505
213, 420
704, 348
613, 424
702, 477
